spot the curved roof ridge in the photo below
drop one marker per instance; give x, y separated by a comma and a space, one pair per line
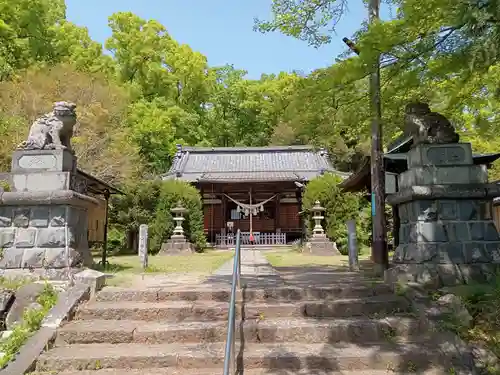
243, 149
305, 160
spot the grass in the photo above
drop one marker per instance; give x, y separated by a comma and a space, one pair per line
32, 320
13, 283
297, 259
125, 266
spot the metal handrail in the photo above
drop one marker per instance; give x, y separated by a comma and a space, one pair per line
229, 359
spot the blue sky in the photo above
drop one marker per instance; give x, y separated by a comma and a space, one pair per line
223, 31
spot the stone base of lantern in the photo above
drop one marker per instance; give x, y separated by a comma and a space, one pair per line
177, 245
319, 244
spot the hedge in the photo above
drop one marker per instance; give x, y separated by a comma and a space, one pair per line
162, 226
339, 208
150, 202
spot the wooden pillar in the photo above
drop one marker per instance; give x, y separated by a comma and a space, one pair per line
277, 213
203, 207
104, 261
224, 212
251, 214
302, 216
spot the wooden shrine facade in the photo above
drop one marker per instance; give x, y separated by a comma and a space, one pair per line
256, 189
276, 223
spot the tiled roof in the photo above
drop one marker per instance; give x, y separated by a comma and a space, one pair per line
289, 163
397, 163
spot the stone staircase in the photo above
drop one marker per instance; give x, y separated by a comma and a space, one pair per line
347, 329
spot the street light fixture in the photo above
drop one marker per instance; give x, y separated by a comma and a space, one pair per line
299, 185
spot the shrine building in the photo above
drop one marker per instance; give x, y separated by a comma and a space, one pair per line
255, 189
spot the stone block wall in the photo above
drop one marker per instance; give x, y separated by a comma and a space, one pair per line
43, 236
447, 235
447, 231
449, 175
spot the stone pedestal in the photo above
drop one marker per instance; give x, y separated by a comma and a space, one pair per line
447, 235
176, 245
43, 218
319, 244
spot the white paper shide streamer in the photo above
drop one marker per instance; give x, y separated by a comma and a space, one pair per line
247, 208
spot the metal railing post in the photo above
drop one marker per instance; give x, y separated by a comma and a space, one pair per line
238, 255
233, 359
229, 357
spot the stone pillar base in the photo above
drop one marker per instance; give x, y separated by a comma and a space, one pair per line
63, 274
438, 275
176, 245
44, 231
30, 161
319, 244
447, 233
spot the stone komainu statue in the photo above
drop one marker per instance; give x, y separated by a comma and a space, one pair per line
52, 131
428, 127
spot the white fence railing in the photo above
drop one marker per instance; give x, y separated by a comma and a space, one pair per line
269, 239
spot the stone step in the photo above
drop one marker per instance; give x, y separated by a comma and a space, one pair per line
400, 356
267, 330
210, 310
290, 293
258, 371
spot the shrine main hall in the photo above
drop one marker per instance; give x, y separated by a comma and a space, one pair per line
255, 189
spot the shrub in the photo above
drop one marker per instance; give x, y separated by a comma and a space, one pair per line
162, 227
116, 241
31, 322
150, 202
127, 212
339, 207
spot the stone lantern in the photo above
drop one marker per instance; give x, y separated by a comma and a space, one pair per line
178, 212
317, 211
177, 244
319, 244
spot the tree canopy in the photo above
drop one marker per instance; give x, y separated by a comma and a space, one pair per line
441, 51
146, 92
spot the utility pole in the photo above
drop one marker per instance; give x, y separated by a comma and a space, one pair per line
379, 238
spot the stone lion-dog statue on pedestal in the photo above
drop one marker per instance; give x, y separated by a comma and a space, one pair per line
52, 131
426, 126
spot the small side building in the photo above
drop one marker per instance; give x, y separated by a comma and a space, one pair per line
255, 189
98, 215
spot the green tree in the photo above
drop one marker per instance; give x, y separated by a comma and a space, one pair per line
153, 133
339, 207
101, 139
128, 211
444, 52
246, 112
72, 45
162, 227
26, 32
150, 202
149, 58
310, 20
36, 32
